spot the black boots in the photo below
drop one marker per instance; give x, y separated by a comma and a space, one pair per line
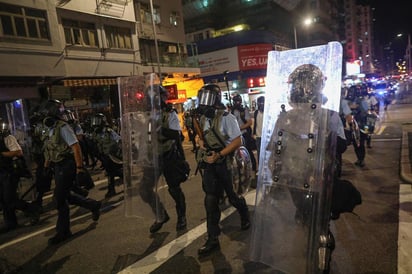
179, 198
157, 225
181, 223
211, 245
244, 218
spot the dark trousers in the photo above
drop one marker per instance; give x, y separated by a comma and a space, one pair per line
9, 199
360, 149
64, 176
113, 169
150, 196
216, 179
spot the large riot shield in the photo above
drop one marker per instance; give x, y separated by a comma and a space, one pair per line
18, 121
140, 114
291, 222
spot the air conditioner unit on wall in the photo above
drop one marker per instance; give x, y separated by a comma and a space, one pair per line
171, 49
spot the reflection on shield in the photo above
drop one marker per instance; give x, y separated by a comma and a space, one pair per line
298, 150
140, 123
241, 170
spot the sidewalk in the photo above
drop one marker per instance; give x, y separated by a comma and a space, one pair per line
406, 153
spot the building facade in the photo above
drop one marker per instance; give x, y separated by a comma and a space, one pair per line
233, 37
76, 49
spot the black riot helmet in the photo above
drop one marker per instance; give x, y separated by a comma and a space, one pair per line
237, 99
210, 95
68, 116
4, 128
307, 82
53, 108
52, 111
98, 120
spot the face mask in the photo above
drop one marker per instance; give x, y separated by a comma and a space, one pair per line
210, 112
49, 121
261, 107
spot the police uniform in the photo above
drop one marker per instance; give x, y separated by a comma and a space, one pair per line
221, 137
170, 152
8, 185
243, 116
59, 151
107, 141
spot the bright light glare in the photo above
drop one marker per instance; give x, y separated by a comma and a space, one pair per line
307, 21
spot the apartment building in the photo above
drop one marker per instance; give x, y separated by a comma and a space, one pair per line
76, 49
233, 37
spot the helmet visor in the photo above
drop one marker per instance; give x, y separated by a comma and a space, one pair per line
207, 97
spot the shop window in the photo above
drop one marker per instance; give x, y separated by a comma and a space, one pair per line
23, 22
118, 37
79, 33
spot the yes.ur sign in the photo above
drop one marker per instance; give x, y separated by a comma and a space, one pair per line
253, 56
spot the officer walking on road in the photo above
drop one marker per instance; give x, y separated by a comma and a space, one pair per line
220, 137
63, 150
109, 150
171, 153
9, 149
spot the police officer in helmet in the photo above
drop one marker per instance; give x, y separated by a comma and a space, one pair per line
109, 150
221, 136
10, 149
170, 153
64, 152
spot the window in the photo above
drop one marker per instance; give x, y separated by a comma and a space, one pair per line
118, 37
23, 22
174, 18
79, 33
146, 14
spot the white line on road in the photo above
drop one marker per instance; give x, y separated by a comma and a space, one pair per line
160, 256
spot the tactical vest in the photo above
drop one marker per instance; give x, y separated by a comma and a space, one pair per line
165, 144
105, 142
213, 138
56, 148
5, 162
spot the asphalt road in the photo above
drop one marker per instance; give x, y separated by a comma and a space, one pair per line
375, 240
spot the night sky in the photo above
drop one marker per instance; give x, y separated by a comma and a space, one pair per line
392, 17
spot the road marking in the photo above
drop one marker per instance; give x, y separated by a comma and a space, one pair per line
152, 261
381, 129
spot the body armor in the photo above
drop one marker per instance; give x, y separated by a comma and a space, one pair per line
56, 148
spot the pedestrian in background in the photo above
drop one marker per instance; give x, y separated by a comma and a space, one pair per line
258, 123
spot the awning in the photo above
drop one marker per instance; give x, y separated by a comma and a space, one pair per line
89, 82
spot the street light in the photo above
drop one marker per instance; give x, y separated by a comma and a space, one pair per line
306, 22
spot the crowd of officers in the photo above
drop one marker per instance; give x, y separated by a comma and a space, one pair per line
63, 147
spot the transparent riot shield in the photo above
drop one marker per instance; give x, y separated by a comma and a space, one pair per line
140, 114
18, 121
241, 170
291, 222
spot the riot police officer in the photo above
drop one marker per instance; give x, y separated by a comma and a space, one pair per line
63, 150
220, 137
109, 150
245, 122
9, 149
170, 153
